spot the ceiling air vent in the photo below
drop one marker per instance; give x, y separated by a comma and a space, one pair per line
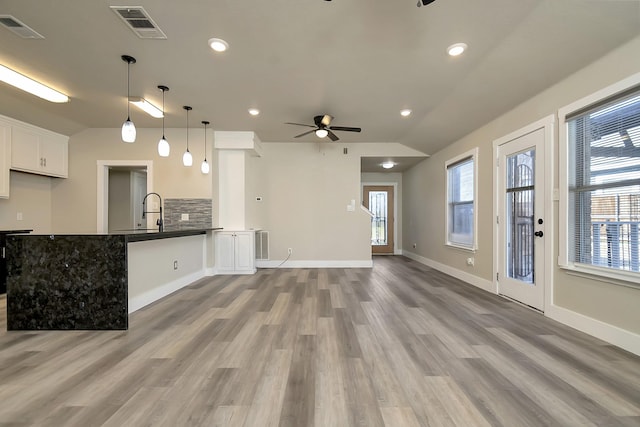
139, 21
15, 26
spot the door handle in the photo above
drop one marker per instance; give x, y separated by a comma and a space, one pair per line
538, 233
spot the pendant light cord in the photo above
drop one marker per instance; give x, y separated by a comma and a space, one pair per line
187, 128
163, 114
205, 142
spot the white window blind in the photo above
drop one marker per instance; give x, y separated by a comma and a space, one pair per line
460, 204
604, 183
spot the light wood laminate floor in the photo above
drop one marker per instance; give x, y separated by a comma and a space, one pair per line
397, 345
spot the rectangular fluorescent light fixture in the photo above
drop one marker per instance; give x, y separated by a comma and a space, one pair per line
23, 82
146, 106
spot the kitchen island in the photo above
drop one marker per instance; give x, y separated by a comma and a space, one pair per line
93, 281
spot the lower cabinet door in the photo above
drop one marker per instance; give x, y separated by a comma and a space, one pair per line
225, 251
245, 253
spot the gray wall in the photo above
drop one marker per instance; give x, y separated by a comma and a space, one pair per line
424, 197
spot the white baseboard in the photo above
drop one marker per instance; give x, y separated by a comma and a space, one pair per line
162, 291
481, 283
315, 264
609, 333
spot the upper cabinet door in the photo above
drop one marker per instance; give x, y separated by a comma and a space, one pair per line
5, 157
25, 151
53, 151
39, 151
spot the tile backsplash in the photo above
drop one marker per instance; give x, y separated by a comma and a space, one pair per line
199, 211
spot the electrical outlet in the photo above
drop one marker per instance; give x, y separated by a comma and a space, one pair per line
471, 261
289, 251
175, 265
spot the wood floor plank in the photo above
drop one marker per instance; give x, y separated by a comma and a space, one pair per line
616, 403
399, 344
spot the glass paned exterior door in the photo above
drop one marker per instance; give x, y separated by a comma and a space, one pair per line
380, 221
520, 215
379, 200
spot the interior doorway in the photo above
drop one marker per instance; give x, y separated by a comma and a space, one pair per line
127, 188
379, 199
134, 179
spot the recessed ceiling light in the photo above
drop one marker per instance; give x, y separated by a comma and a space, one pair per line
405, 113
254, 111
218, 45
388, 165
456, 49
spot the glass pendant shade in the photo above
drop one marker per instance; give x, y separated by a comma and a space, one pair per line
163, 147
187, 158
128, 131
204, 167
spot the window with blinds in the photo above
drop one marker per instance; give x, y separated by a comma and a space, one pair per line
604, 183
461, 202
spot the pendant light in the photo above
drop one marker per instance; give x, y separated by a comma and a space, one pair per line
187, 158
204, 167
128, 128
163, 145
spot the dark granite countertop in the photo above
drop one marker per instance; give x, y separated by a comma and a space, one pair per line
15, 231
153, 234
141, 235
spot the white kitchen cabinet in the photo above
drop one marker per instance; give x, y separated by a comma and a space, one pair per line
5, 157
39, 151
235, 252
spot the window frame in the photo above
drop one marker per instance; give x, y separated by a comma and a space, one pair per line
473, 156
609, 275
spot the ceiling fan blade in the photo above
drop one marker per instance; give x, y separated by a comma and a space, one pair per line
326, 120
303, 134
345, 128
299, 124
332, 136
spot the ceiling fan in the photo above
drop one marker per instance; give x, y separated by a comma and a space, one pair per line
322, 128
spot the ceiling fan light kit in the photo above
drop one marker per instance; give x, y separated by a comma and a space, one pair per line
323, 129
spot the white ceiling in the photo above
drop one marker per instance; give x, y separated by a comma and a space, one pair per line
360, 61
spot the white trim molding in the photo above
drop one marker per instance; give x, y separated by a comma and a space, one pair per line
622, 338
547, 124
102, 191
472, 154
315, 264
479, 282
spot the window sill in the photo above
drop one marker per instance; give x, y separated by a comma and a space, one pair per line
619, 278
471, 249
